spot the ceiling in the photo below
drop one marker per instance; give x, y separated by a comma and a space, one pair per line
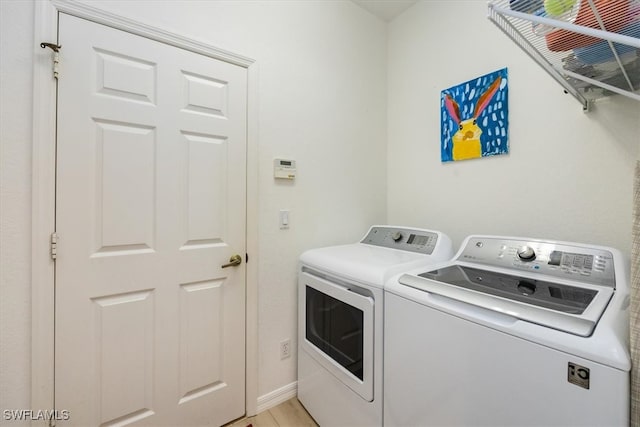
385, 9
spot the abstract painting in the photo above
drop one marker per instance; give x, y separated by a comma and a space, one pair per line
475, 118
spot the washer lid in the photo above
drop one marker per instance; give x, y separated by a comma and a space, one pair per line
562, 306
551, 295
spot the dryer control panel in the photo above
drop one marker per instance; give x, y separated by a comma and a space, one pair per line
406, 239
581, 263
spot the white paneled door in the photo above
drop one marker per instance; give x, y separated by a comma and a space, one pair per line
150, 203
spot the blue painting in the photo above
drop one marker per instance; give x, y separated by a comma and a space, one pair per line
474, 118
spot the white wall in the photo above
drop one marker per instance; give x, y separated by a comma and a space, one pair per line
322, 102
16, 47
568, 175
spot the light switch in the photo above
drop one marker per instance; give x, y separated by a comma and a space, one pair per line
284, 219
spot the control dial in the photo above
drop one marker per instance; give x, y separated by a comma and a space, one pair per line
397, 236
526, 253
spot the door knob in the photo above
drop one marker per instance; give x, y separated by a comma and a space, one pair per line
233, 261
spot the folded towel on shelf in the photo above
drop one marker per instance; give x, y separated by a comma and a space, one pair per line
614, 14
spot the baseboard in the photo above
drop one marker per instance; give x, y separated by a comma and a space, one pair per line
277, 396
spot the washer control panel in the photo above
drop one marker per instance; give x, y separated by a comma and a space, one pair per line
570, 262
406, 239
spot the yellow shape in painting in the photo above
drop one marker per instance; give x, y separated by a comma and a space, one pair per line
466, 141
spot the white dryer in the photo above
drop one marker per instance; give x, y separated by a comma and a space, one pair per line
511, 332
340, 320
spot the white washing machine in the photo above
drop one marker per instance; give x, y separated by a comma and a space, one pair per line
511, 332
340, 320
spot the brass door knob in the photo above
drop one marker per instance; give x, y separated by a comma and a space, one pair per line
233, 261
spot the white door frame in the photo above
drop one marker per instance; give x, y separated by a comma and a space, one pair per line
43, 189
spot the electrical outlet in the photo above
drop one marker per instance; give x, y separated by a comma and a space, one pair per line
285, 349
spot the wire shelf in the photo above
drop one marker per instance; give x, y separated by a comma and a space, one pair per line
591, 47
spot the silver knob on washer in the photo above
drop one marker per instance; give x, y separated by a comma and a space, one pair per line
526, 253
397, 236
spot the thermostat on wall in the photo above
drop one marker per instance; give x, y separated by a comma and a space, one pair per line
284, 169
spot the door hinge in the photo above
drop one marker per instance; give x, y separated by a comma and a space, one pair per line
56, 57
54, 246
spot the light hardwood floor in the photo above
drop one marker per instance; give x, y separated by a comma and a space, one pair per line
287, 414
